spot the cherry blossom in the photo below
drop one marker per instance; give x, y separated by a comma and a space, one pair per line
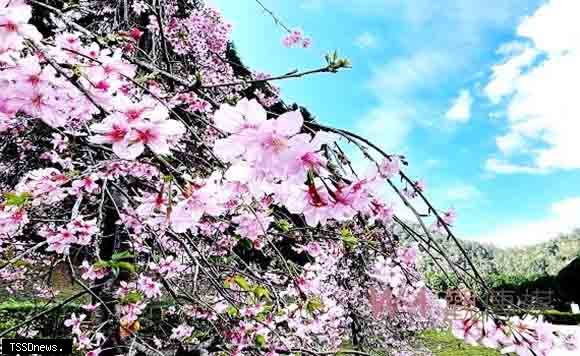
149, 287
87, 184
181, 332
133, 158
14, 27
92, 272
91, 307
296, 38
74, 322
389, 167
169, 267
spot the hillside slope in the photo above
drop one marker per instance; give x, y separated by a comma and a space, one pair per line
511, 265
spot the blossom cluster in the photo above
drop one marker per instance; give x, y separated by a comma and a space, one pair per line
526, 336
152, 189
296, 39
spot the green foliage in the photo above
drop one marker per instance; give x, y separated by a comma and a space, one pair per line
314, 304
348, 239
335, 63
501, 280
13, 312
561, 318
118, 263
261, 292
132, 297
445, 344
242, 282
17, 200
25, 306
283, 225
506, 267
123, 255
260, 341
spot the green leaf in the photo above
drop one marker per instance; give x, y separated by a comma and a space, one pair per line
132, 297
260, 341
227, 284
101, 264
198, 77
247, 244
264, 313
283, 225
348, 239
232, 311
123, 255
77, 72
15, 199
314, 304
73, 173
335, 63
199, 334
21, 263
241, 282
129, 267
261, 292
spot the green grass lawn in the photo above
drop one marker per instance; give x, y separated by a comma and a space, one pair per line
442, 343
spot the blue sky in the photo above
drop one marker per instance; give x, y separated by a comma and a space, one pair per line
477, 94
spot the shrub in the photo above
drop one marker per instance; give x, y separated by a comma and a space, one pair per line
562, 318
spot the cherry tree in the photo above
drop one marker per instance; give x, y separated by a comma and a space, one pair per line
140, 154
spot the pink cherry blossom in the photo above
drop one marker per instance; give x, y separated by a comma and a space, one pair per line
155, 135
149, 287
387, 272
181, 332
313, 249
169, 267
303, 155
14, 27
253, 225
74, 322
85, 118
571, 341
114, 130
92, 273
95, 352
296, 38
59, 142
468, 329
91, 307
41, 103
87, 184
389, 167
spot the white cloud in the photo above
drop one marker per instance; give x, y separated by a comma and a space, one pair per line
498, 166
388, 127
562, 218
510, 142
505, 75
439, 38
540, 82
460, 111
404, 75
366, 40
394, 85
